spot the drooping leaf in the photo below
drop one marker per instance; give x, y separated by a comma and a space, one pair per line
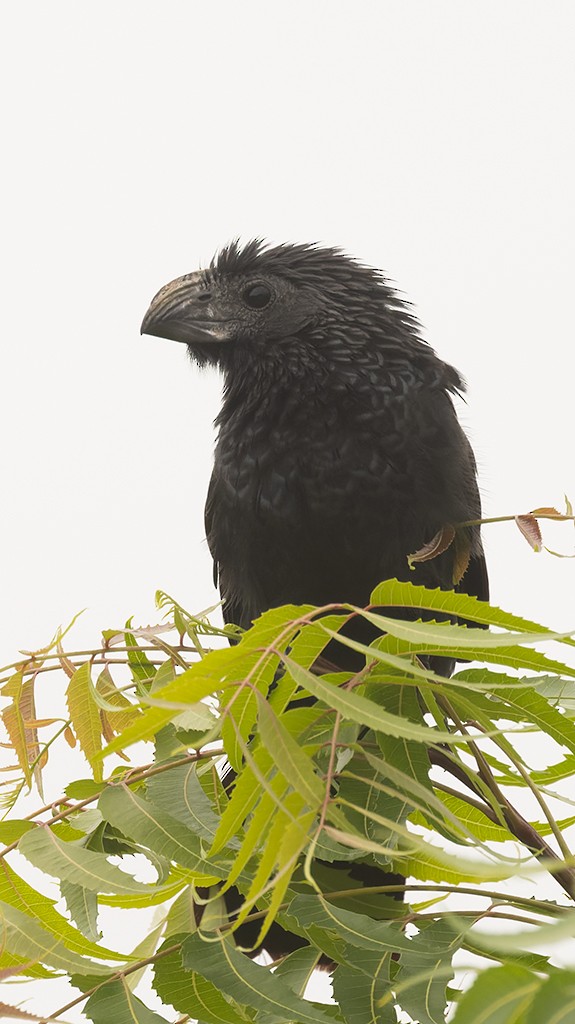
190, 993
360, 997
422, 985
85, 717
13, 720
249, 984
150, 825
531, 530
77, 864
82, 906
436, 546
115, 1002
24, 937
15, 891
179, 792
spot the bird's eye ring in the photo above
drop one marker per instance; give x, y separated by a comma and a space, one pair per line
256, 296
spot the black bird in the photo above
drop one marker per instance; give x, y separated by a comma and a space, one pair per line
339, 451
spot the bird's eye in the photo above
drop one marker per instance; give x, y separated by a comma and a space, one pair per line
257, 296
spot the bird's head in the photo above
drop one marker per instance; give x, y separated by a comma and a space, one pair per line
257, 297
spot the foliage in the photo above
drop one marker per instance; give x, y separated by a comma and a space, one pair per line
345, 777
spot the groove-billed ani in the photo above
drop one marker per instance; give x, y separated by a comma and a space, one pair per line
339, 451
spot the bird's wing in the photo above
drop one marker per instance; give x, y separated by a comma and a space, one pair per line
232, 608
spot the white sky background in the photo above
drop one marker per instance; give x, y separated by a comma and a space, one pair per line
433, 140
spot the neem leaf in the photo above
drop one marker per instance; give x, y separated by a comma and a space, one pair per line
25, 937
554, 1003
248, 983
499, 995
190, 993
82, 906
531, 530
153, 827
15, 891
85, 717
77, 864
360, 997
436, 546
115, 1002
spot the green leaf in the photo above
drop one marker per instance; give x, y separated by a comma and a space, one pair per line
421, 984
179, 792
82, 789
82, 906
356, 929
554, 1003
85, 717
536, 709
24, 937
120, 711
245, 795
16, 891
12, 831
14, 723
359, 997
297, 968
359, 709
115, 1002
190, 993
499, 995
143, 671
444, 634
396, 594
77, 864
291, 760
249, 984
474, 821
153, 827
559, 692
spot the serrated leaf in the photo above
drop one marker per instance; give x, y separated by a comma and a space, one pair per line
82, 906
536, 709
13, 1013
16, 891
25, 937
154, 827
14, 723
436, 546
249, 984
190, 993
359, 709
11, 831
179, 792
297, 968
426, 970
531, 530
355, 929
462, 557
142, 669
115, 1002
359, 997
77, 864
85, 717
443, 634
399, 594
120, 711
291, 760
546, 511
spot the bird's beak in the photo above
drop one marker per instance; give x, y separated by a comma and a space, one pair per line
178, 313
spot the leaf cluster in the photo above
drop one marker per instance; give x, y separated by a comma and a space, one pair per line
393, 766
